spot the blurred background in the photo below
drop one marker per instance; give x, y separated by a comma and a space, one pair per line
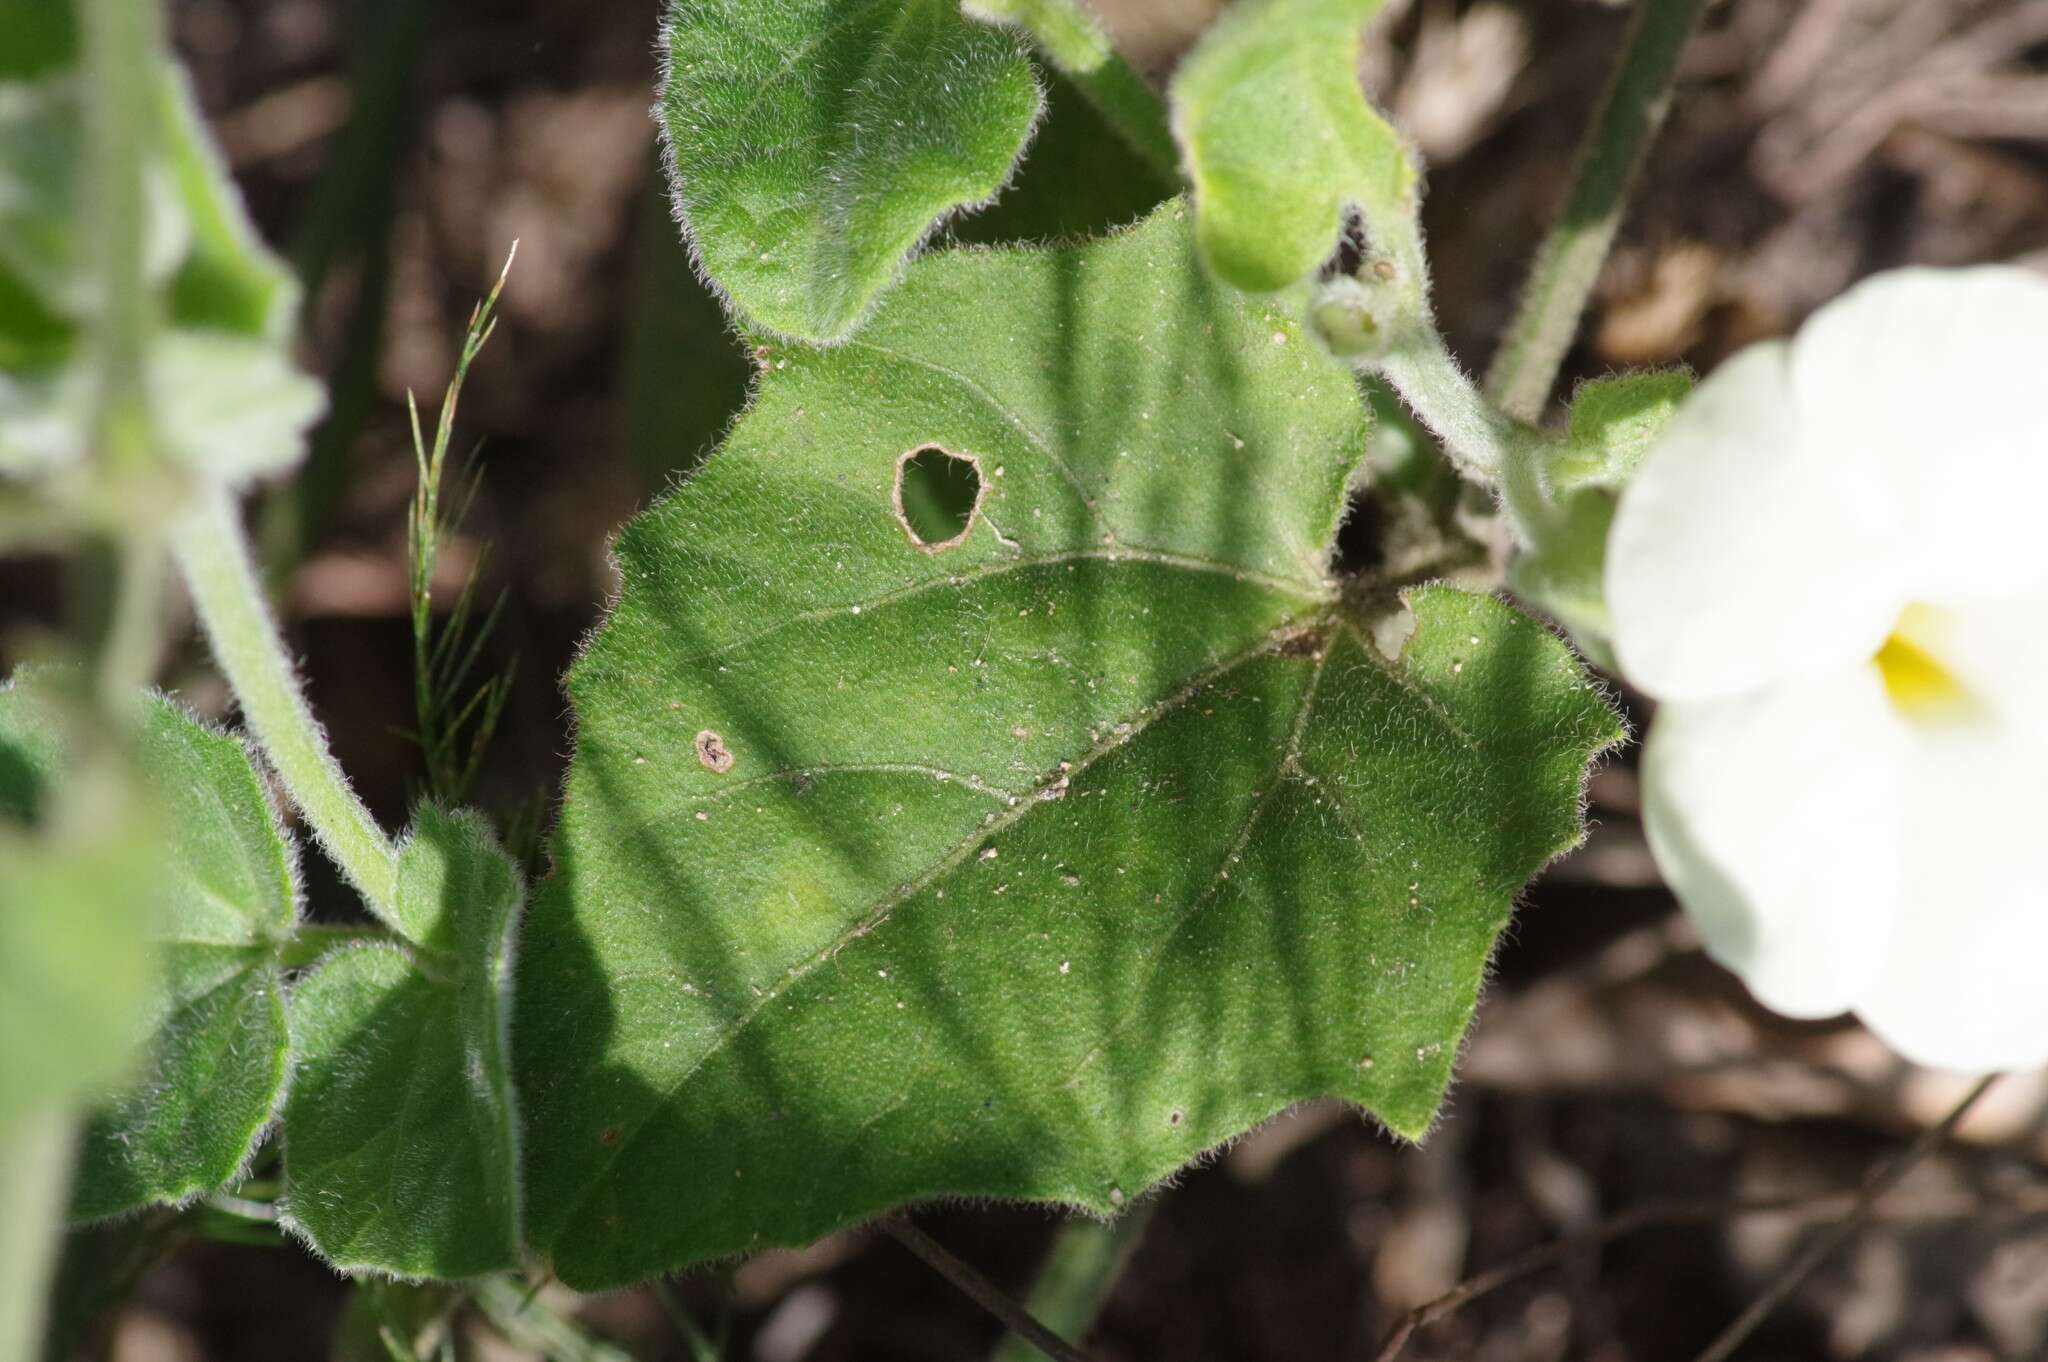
394, 149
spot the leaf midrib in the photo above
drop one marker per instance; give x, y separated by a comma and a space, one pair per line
1311, 594
886, 906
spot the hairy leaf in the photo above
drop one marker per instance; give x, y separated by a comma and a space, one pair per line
1614, 421
401, 1133
813, 143
227, 401
1034, 862
219, 893
217, 1053
1278, 137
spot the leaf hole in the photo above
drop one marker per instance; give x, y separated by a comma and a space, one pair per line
937, 494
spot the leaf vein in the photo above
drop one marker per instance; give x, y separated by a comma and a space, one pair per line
884, 908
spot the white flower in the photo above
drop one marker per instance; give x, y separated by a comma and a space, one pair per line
1832, 570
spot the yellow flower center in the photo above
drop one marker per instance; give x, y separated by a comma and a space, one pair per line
1920, 686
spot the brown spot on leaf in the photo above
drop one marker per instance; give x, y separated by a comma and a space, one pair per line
711, 751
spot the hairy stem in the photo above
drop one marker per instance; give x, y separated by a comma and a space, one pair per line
1568, 262
213, 555
1073, 40
313, 940
35, 1182
134, 640
1478, 440
122, 41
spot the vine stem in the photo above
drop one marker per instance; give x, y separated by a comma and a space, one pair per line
1568, 262
36, 1153
134, 638
1070, 36
213, 557
981, 1290
122, 42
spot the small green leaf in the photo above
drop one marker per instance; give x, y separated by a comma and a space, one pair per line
218, 895
813, 143
401, 1132
1278, 137
1614, 421
1036, 861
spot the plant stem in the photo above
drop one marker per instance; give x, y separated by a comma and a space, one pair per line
1477, 439
1078, 1275
122, 41
1072, 39
133, 645
1381, 319
1568, 262
35, 1183
213, 555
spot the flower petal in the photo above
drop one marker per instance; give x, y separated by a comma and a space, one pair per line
1932, 380
1997, 654
1741, 554
1961, 985
1774, 816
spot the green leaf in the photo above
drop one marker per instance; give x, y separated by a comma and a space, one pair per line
1033, 863
401, 1132
1278, 137
227, 902
217, 892
229, 403
218, 905
814, 143
41, 35
1565, 575
1614, 421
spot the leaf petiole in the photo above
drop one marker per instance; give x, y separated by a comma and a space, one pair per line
213, 557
